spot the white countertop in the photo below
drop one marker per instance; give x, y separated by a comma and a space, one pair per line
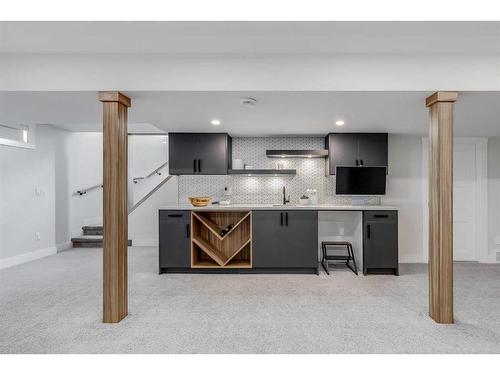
242, 207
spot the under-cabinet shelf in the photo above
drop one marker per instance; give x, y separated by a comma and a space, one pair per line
211, 249
262, 172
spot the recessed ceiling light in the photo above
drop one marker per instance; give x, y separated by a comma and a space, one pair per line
339, 122
215, 122
309, 156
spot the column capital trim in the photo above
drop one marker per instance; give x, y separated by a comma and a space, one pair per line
115, 96
441, 96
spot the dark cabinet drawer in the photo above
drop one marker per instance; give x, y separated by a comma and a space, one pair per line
381, 215
174, 241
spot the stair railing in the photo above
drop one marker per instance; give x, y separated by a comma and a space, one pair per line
156, 171
85, 191
145, 198
135, 180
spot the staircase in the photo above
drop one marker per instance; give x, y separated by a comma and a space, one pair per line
92, 237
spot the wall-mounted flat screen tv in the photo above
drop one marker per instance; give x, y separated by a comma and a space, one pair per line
360, 180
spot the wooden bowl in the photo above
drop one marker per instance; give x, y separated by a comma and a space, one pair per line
200, 201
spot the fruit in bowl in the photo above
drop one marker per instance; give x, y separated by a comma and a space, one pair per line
200, 201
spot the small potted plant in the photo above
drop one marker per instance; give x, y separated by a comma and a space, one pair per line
304, 199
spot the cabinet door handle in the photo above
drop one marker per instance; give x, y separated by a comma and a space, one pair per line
188, 230
286, 218
368, 231
194, 165
380, 215
174, 215
281, 218
199, 165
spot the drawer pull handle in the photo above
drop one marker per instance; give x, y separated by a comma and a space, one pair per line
174, 215
381, 215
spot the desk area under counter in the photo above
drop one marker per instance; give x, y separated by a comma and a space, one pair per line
266, 238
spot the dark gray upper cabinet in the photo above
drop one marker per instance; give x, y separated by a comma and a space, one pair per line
175, 239
372, 149
353, 149
380, 242
285, 239
199, 153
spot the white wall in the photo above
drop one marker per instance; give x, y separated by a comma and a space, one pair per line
146, 153
84, 163
494, 196
143, 222
30, 180
85, 169
404, 190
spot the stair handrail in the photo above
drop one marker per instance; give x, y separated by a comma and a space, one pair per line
93, 187
155, 172
145, 198
85, 191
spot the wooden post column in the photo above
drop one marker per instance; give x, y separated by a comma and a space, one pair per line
440, 106
115, 209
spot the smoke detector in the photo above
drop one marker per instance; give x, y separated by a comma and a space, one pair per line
248, 102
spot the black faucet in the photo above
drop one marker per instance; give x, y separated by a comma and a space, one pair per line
285, 200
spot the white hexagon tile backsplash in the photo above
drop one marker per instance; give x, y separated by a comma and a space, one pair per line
268, 189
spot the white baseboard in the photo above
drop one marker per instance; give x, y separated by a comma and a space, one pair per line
27, 257
144, 242
64, 246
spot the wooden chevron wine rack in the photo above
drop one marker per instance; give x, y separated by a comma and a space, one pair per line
221, 239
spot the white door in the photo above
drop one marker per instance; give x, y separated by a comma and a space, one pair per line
470, 237
464, 201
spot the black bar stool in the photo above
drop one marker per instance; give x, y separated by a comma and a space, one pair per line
347, 258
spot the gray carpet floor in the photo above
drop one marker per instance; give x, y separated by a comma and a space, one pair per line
53, 305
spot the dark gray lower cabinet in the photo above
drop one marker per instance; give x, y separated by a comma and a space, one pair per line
380, 242
174, 240
286, 240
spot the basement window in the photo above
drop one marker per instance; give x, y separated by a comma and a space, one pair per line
17, 135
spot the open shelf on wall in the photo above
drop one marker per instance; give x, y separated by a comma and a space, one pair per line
296, 153
263, 172
210, 248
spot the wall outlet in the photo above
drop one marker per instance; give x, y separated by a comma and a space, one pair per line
40, 191
37, 236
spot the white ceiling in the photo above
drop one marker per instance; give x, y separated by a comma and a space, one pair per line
251, 37
476, 113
